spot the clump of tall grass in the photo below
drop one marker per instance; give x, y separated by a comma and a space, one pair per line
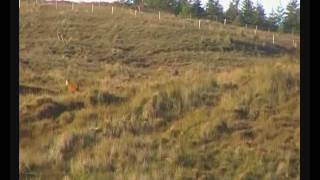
45, 107
147, 110
67, 117
98, 97
173, 101
261, 90
213, 130
282, 85
28, 162
85, 164
68, 142
118, 69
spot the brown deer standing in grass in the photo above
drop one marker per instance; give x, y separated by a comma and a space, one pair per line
71, 87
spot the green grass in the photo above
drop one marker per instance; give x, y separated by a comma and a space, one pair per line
157, 99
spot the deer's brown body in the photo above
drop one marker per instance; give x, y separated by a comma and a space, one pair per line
71, 87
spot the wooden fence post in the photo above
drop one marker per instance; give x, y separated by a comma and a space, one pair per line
294, 43
92, 8
255, 31
199, 24
273, 39
159, 16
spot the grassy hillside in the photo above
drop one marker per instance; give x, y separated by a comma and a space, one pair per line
157, 99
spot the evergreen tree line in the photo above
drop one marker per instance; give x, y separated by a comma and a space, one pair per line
238, 13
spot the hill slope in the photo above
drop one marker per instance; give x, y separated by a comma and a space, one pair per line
158, 99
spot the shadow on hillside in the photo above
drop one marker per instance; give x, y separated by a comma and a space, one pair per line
250, 47
228, 45
23, 89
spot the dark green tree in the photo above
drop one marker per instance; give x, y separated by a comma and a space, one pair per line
183, 8
291, 21
273, 21
280, 13
260, 16
233, 11
137, 2
197, 10
214, 10
161, 4
247, 13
